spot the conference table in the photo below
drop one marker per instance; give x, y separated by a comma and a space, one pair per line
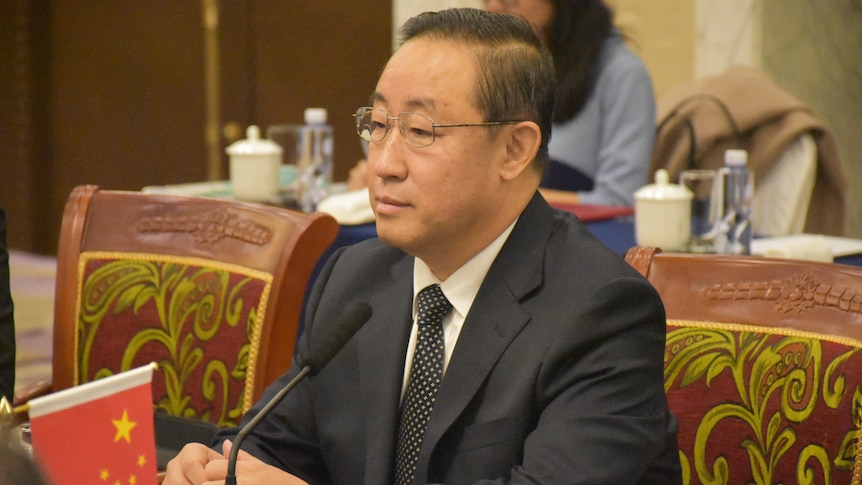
614, 226
615, 229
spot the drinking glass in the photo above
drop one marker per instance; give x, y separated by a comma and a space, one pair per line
706, 207
290, 138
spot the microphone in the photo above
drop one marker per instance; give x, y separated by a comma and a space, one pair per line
322, 351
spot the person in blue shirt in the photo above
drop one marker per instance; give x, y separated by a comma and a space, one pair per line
604, 121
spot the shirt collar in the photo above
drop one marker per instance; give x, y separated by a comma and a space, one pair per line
463, 285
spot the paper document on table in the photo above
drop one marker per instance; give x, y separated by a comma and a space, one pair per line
844, 246
806, 246
348, 208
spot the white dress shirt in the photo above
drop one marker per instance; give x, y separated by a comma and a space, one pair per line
460, 289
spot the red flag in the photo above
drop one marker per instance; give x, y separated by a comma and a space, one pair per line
100, 432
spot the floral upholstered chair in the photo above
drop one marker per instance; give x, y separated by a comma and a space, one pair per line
763, 366
210, 289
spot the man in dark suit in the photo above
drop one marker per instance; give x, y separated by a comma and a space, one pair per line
552, 350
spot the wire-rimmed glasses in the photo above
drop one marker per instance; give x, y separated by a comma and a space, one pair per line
417, 129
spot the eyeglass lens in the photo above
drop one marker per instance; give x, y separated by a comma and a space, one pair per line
372, 124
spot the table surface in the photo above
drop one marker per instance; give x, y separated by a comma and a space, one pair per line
617, 233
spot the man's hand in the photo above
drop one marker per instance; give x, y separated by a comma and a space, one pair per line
189, 466
198, 465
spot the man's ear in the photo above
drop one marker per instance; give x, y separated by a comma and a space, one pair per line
522, 144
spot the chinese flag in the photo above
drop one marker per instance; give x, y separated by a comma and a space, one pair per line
100, 432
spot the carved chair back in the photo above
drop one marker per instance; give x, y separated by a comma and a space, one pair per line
211, 289
763, 366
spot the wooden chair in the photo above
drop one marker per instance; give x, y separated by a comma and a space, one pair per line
211, 289
763, 366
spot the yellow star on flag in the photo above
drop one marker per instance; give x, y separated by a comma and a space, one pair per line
124, 427
132, 480
142, 460
104, 475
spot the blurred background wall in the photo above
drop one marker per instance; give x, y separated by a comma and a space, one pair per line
127, 94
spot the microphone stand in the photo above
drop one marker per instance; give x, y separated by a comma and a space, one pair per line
320, 355
230, 479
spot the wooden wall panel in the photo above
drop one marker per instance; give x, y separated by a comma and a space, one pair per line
115, 90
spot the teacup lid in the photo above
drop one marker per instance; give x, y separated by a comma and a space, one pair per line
662, 190
254, 145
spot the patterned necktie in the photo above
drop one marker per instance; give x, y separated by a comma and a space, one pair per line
425, 375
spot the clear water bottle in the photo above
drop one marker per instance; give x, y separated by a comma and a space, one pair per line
314, 168
738, 197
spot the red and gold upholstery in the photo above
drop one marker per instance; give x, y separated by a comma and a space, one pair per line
139, 308
210, 289
756, 406
774, 396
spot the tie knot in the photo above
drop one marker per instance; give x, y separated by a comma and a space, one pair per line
432, 306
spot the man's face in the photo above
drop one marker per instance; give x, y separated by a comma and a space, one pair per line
436, 202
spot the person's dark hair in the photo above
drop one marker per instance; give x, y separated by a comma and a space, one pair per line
575, 37
516, 80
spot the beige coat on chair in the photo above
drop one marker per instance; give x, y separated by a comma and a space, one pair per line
744, 108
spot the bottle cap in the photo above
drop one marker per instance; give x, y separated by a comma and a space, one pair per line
736, 158
315, 116
254, 145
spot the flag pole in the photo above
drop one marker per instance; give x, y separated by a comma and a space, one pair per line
24, 408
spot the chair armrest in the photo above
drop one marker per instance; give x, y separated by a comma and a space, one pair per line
33, 390
30, 391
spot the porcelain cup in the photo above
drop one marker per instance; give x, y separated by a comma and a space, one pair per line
663, 214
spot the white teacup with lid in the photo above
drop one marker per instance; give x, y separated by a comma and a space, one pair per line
663, 214
255, 165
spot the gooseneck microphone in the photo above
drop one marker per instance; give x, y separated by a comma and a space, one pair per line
322, 351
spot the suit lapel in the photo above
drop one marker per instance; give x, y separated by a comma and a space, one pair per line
495, 318
485, 336
381, 370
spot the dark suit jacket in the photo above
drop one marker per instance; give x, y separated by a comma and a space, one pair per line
556, 377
